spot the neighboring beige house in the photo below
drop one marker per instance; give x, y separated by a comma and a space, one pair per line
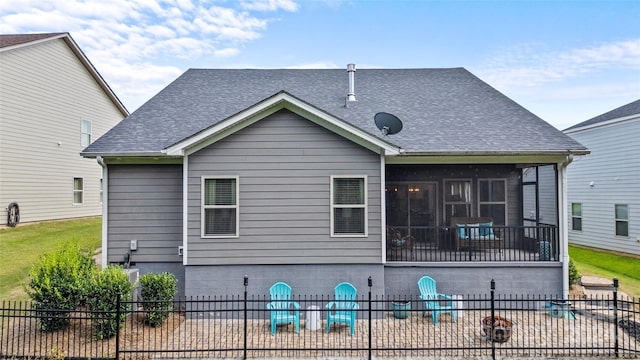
53, 104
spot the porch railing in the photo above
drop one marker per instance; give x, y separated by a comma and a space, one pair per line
514, 243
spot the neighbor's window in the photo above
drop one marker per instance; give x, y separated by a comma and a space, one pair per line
622, 220
78, 190
220, 207
492, 194
85, 137
576, 216
348, 205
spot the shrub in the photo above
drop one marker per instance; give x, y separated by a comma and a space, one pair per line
57, 285
157, 291
102, 300
574, 275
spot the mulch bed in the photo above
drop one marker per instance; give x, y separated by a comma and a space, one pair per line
21, 337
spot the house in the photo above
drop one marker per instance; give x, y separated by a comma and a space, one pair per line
604, 187
319, 176
54, 103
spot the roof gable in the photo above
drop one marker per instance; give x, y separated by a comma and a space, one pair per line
16, 41
443, 111
281, 100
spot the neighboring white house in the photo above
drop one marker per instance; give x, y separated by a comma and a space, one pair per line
604, 187
53, 104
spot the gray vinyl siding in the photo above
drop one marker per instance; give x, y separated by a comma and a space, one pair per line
284, 163
614, 168
145, 204
45, 92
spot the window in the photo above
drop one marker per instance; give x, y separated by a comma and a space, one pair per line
220, 207
85, 136
576, 216
492, 199
622, 220
348, 206
78, 191
457, 199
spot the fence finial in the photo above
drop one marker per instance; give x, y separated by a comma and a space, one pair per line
370, 281
493, 284
246, 280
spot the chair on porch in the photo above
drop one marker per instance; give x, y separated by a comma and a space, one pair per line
397, 244
434, 302
283, 310
343, 309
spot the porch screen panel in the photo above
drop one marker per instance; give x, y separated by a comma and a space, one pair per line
220, 208
457, 199
493, 199
348, 206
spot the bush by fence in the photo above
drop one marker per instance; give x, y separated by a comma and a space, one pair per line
239, 327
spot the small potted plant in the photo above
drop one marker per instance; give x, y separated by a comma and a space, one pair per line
498, 328
401, 309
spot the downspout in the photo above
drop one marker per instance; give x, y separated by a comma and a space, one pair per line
105, 201
563, 223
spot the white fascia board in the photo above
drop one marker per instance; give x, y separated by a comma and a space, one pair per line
603, 124
483, 158
269, 106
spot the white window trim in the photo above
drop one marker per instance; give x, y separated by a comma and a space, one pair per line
364, 206
236, 206
505, 202
73, 186
615, 221
82, 133
576, 217
445, 202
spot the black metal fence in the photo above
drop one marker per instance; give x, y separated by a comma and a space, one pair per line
508, 243
488, 326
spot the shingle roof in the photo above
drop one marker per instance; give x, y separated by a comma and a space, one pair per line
632, 108
17, 39
443, 110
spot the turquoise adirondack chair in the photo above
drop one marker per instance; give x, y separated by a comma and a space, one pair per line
434, 302
283, 310
343, 309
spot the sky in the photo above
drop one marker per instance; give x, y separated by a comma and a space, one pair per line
565, 61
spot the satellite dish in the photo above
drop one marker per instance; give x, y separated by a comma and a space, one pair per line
387, 123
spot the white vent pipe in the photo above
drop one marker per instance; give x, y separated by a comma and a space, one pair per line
351, 69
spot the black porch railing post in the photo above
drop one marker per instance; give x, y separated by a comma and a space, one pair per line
370, 283
118, 300
493, 313
246, 283
615, 315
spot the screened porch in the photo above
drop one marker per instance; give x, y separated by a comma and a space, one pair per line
465, 213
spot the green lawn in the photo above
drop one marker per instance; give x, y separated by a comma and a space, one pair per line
608, 265
22, 246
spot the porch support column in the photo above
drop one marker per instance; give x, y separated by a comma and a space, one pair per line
563, 223
185, 207
105, 211
383, 208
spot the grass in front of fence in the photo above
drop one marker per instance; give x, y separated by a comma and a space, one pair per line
608, 265
22, 246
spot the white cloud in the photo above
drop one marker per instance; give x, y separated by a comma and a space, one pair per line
270, 5
524, 66
125, 38
226, 52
